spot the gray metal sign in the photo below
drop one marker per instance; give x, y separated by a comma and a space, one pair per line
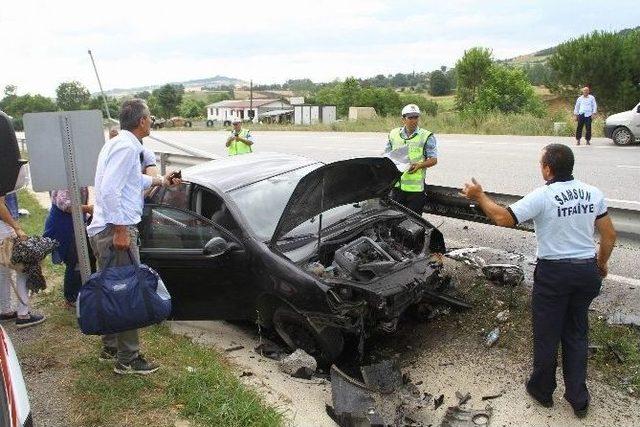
46, 135
63, 150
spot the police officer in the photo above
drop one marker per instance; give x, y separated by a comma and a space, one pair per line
422, 153
240, 140
568, 273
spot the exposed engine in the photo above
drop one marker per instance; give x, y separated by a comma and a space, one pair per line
372, 253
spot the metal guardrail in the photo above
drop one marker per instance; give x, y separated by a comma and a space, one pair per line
443, 201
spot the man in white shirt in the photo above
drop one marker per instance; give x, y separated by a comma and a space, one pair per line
583, 112
568, 273
119, 187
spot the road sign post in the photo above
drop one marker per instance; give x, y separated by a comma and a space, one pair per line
63, 150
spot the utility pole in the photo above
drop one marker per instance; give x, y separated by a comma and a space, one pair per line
104, 98
251, 113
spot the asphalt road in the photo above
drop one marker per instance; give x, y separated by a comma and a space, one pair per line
503, 164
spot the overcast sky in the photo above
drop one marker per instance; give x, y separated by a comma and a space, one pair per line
45, 43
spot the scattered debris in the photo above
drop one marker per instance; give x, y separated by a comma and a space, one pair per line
382, 399
504, 274
270, 349
458, 417
190, 369
594, 348
246, 374
437, 402
619, 318
463, 398
503, 316
446, 364
492, 337
299, 364
493, 396
497, 265
615, 352
233, 348
23, 212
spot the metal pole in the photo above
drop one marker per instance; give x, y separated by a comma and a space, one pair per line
104, 98
251, 99
74, 190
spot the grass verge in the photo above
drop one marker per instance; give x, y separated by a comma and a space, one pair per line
194, 383
447, 122
616, 360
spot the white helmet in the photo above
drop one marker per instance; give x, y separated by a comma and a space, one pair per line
410, 109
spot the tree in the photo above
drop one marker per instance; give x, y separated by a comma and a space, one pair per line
72, 96
97, 103
439, 83
192, 108
348, 93
608, 62
10, 90
471, 71
168, 98
507, 89
145, 94
538, 73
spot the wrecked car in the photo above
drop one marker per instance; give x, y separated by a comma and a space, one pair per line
318, 252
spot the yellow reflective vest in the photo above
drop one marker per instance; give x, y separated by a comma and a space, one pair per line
411, 182
239, 147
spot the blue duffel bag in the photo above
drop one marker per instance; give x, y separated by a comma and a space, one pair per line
118, 299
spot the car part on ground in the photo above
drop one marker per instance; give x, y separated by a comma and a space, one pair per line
299, 364
384, 397
461, 417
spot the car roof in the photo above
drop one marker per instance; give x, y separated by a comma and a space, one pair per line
229, 173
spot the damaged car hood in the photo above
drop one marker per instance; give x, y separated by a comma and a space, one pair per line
336, 184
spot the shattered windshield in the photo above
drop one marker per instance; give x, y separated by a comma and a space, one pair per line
263, 202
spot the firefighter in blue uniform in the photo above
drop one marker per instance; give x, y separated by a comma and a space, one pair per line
569, 270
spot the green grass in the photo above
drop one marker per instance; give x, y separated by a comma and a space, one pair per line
194, 383
446, 122
623, 340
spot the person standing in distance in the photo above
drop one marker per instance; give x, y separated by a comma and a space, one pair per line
240, 140
422, 153
584, 112
568, 274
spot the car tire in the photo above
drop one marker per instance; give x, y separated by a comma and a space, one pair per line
188, 124
209, 123
227, 123
296, 331
622, 136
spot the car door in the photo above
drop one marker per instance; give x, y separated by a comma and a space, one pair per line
202, 286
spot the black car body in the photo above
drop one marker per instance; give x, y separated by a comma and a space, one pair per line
318, 251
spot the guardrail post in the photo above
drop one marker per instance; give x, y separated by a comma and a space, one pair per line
163, 163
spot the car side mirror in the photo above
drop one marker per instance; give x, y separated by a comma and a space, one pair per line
216, 246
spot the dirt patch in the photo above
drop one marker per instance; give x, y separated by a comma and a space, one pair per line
443, 355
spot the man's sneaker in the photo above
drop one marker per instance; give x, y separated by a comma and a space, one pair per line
32, 320
543, 402
581, 413
108, 354
137, 366
8, 316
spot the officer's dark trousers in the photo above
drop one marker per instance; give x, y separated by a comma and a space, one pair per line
562, 292
413, 200
583, 122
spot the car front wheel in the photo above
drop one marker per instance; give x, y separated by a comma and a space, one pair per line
622, 136
296, 331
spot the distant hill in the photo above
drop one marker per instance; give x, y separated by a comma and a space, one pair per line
542, 55
210, 82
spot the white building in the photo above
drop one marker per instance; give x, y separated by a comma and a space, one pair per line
225, 111
311, 114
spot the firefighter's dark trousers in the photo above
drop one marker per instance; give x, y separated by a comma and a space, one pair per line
562, 292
